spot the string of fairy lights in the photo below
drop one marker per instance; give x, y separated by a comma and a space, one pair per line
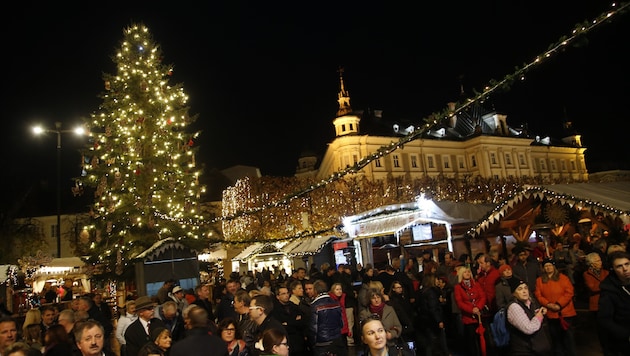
433, 119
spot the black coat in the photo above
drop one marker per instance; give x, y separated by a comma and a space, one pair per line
136, 336
614, 312
199, 341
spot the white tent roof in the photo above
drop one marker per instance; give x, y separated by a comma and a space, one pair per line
306, 246
394, 218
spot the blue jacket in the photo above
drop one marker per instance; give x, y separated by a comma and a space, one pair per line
326, 320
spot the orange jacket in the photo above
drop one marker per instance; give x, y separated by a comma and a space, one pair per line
592, 284
560, 292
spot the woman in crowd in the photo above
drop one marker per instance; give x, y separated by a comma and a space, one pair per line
229, 332
33, 336
470, 299
275, 343
374, 336
21, 349
386, 313
527, 336
592, 278
33, 316
337, 294
159, 344
554, 291
57, 341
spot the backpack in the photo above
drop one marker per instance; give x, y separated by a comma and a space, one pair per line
498, 327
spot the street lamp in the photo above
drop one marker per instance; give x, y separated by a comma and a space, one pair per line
38, 130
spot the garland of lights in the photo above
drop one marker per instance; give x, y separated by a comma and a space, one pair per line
494, 86
265, 202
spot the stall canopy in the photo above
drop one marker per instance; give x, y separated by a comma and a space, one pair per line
394, 219
609, 197
258, 247
306, 246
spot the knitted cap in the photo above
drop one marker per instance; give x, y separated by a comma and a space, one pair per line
514, 283
503, 268
548, 260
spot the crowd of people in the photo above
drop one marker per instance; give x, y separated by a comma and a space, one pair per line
412, 306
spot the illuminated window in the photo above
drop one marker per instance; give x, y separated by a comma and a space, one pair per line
396, 161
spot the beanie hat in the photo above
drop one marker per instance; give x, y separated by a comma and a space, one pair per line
514, 283
548, 260
503, 268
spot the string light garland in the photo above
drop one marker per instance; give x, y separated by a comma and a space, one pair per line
494, 86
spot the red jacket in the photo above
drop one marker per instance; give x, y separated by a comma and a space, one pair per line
468, 298
488, 280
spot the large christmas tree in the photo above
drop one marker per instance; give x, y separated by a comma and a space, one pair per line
140, 162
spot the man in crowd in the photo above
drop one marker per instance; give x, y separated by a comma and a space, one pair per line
8, 333
297, 298
164, 290
179, 297
487, 277
172, 319
203, 300
326, 323
86, 305
525, 268
614, 304
291, 317
309, 291
90, 339
48, 319
260, 309
102, 306
225, 308
137, 334
198, 340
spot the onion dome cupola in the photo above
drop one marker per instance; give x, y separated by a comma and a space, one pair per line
345, 123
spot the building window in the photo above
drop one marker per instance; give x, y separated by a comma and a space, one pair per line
446, 162
430, 162
343, 128
563, 165
396, 161
414, 161
573, 166
377, 162
508, 159
521, 159
553, 165
351, 127
473, 161
355, 158
493, 159
543, 165
461, 163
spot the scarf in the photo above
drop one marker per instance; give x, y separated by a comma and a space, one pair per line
377, 309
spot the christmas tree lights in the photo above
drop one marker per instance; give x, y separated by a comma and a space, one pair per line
141, 158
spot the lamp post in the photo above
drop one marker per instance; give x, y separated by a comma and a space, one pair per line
79, 131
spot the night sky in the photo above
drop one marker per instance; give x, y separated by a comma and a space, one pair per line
263, 76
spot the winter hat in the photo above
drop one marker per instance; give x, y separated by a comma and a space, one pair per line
177, 289
503, 268
514, 283
548, 260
